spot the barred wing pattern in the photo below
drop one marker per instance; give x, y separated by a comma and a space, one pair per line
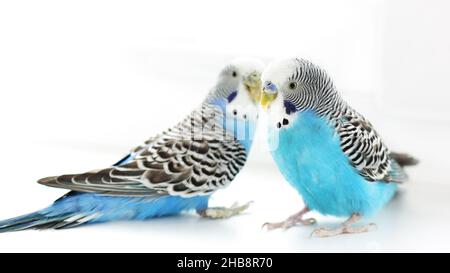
196, 157
359, 141
365, 149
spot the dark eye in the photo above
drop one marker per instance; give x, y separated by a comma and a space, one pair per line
234, 74
292, 85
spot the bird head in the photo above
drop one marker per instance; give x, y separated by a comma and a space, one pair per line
239, 86
295, 84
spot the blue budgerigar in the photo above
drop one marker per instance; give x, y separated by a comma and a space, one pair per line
174, 171
326, 150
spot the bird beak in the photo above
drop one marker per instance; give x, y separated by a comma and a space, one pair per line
269, 94
267, 98
252, 83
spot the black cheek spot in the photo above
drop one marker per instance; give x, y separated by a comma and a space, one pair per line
278, 125
235, 112
285, 121
244, 116
290, 107
232, 96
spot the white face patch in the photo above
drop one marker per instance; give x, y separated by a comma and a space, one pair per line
242, 106
247, 66
277, 116
278, 73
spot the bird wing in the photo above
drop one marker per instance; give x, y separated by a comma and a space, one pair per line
135, 151
366, 151
179, 161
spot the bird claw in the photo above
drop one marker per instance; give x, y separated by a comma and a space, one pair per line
343, 229
310, 221
224, 212
288, 223
271, 226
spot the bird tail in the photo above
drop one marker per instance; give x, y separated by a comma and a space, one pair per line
65, 212
404, 159
75, 209
40, 220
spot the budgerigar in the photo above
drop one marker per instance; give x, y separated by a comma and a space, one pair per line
174, 171
325, 149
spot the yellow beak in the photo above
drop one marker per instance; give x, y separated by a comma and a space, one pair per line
253, 84
267, 98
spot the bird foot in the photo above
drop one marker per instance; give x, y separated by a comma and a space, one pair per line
224, 212
288, 223
343, 229
291, 221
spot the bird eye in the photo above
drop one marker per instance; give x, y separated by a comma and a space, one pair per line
234, 74
292, 85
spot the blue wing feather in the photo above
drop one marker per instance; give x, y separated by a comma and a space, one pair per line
88, 208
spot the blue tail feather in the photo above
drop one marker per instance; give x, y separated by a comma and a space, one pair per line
86, 208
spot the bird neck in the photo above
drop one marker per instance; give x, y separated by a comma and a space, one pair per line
332, 106
242, 129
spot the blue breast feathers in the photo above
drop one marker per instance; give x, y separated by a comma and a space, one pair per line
309, 156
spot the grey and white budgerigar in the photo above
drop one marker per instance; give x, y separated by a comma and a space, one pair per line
174, 171
326, 150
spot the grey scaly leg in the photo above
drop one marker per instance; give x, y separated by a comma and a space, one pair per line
344, 228
292, 221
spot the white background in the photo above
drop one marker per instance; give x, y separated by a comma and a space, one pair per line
82, 82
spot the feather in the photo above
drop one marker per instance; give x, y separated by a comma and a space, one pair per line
172, 163
83, 208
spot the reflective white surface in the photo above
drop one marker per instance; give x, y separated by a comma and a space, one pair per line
417, 220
